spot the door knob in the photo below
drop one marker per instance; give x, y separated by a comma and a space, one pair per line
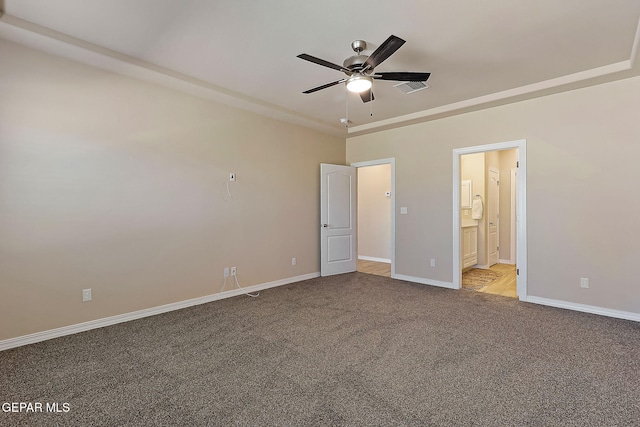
325, 225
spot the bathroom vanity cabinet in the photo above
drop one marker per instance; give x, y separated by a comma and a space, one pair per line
469, 246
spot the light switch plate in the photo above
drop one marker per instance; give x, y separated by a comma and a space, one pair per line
403, 210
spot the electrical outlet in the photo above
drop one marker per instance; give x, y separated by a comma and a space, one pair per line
86, 295
233, 271
226, 272
232, 177
294, 261
584, 282
433, 262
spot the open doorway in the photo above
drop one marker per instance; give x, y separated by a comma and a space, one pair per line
489, 221
485, 211
375, 217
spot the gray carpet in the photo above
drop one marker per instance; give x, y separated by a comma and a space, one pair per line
353, 349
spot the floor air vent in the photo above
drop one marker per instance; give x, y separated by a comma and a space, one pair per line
411, 87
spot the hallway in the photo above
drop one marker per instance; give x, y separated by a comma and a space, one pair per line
373, 267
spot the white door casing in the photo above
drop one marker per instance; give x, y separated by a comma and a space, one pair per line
514, 213
337, 219
493, 216
521, 219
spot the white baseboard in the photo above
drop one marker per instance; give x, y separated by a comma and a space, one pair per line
506, 261
112, 320
126, 317
626, 315
375, 259
423, 281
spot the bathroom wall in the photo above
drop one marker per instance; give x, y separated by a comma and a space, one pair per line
507, 160
472, 167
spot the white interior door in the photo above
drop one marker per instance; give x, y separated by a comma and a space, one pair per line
493, 216
337, 219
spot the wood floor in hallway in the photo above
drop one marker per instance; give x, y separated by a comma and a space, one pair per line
504, 285
373, 267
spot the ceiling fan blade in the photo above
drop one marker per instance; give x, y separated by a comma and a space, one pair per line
407, 76
385, 50
321, 62
315, 89
367, 96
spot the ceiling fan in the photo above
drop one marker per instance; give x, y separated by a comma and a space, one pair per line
359, 68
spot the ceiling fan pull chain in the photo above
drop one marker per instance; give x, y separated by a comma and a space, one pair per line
371, 99
347, 108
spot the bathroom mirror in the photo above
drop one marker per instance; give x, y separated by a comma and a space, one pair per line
466, 191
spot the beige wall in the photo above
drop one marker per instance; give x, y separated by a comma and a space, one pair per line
374, 211
117, 185
582, 147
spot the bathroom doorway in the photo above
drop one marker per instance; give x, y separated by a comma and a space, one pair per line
490, 252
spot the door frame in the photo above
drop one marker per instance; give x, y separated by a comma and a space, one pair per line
521, 233
389, 161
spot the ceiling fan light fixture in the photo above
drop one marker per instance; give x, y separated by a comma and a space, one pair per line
358, 83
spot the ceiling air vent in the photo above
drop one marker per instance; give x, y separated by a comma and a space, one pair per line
411, 87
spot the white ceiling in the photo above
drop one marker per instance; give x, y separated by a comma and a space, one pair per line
479, 53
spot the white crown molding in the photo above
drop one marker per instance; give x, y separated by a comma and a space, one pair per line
41, 38
559, 84
126, 317
607, 73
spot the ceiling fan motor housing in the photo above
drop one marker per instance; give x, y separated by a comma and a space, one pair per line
354, 62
